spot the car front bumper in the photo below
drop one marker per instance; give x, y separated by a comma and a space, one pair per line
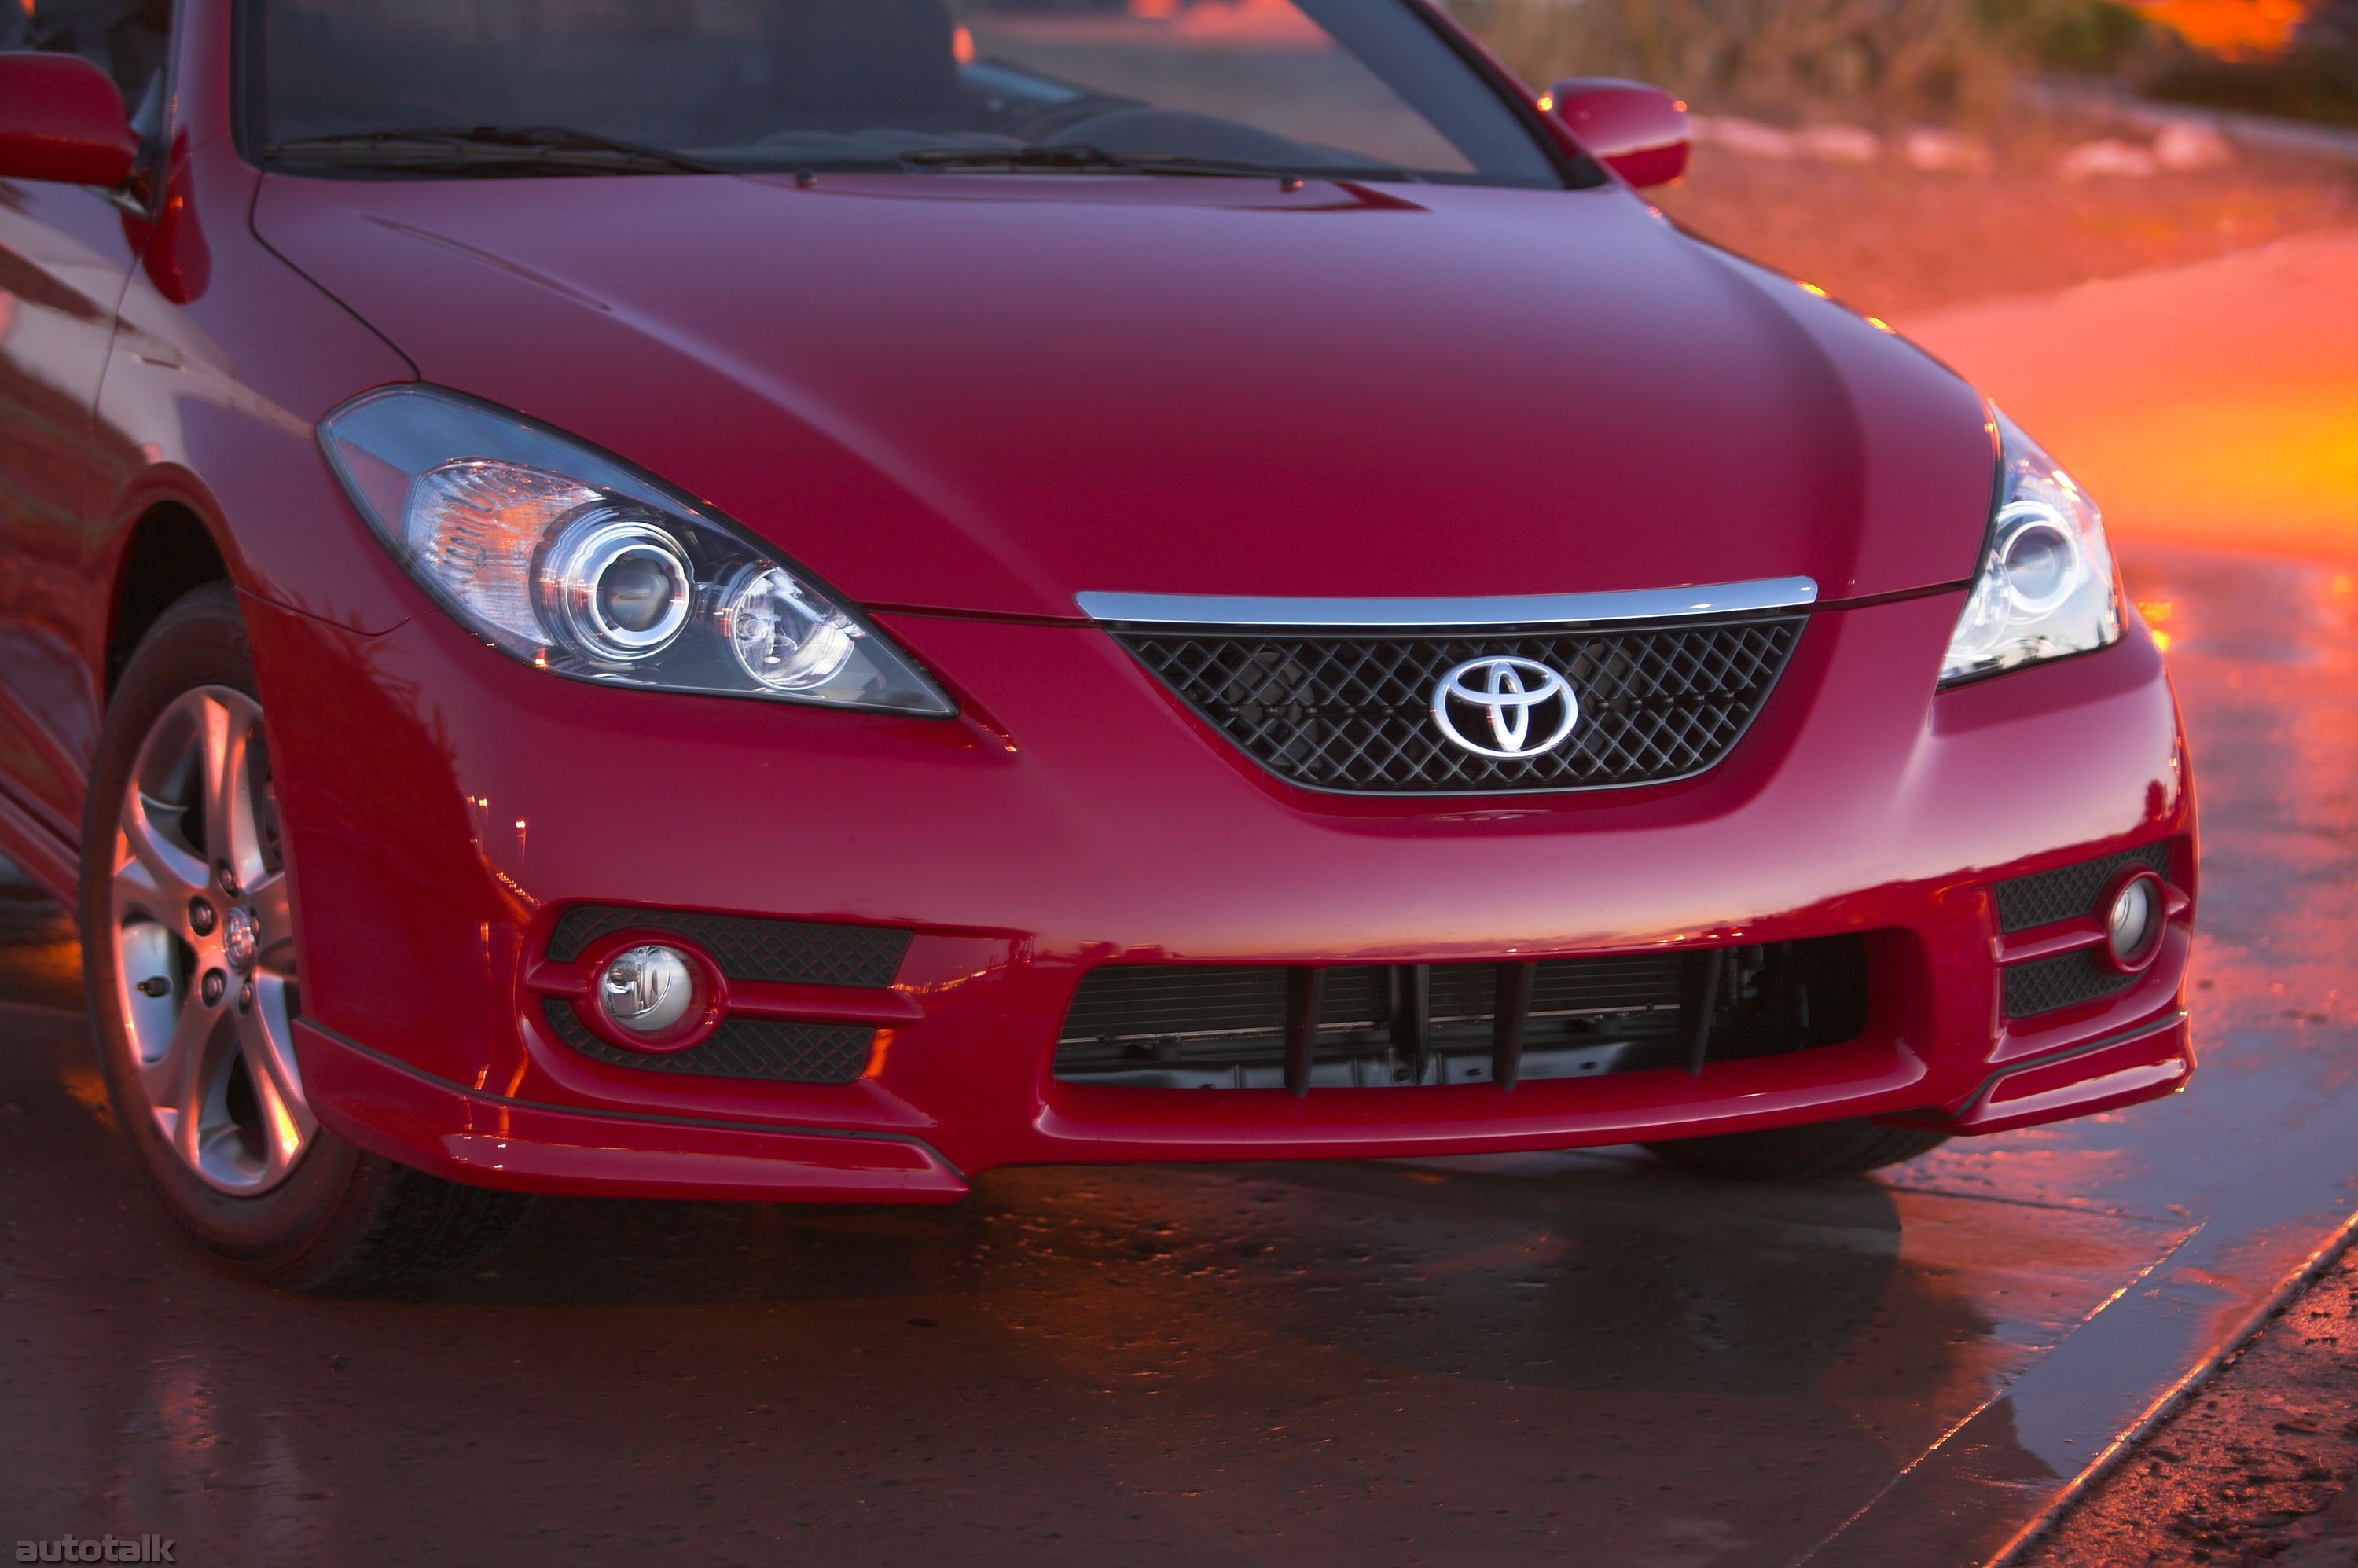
446, 805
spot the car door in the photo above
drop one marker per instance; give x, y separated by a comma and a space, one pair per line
64, 260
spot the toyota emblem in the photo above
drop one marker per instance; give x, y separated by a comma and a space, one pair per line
1519, 698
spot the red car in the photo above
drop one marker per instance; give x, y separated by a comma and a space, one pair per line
797, 600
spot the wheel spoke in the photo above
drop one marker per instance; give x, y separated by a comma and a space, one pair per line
272, 905
152, 876
266, 1035
214, 764
176, 1082
232, 839
247, 813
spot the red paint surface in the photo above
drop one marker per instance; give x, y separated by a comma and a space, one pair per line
61, 119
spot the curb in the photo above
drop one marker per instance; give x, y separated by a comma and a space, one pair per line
2176, 1397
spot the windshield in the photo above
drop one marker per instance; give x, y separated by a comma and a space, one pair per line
1363, 89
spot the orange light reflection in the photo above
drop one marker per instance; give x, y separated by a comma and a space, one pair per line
2212, 405
2230, 28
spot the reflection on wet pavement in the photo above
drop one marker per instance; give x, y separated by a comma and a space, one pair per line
1585, 1356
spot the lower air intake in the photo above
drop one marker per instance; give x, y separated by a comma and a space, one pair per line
789, 951
741, 1048
2071, 893
1207, 1026
2048, 985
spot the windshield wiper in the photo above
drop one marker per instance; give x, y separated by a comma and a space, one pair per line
479, 148
1080, 159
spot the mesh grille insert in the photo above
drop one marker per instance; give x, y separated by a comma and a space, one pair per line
2070, 893
740, 1048
789, 951
2045, 985
1354, 712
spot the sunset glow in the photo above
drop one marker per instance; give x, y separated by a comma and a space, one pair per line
2214, 403
2233, 27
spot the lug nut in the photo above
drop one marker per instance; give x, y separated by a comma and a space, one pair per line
212, 986
228, 879
246, 997
201, 917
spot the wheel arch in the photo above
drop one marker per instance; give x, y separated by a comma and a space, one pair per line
168, 553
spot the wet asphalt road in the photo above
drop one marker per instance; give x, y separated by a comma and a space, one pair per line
1580, 1357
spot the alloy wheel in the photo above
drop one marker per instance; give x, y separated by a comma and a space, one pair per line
204, 936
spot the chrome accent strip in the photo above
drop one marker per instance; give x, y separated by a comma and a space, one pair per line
1396, 614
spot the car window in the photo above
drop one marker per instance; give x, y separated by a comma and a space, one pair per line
1363, 87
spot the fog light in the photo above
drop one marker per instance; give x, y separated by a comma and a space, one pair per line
647, 990
2134, 923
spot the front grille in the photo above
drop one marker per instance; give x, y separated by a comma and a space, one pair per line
2070, 893
1214, 1026
789, 951
740, 1048
2045, 985
1354, 711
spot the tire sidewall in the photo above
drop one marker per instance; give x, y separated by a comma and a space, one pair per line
199, 642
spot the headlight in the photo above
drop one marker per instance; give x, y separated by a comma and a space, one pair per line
569, 561
2046, 586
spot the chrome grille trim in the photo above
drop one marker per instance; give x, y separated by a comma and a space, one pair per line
1402, 614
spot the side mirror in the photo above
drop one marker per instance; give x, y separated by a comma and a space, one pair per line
1639, 131
61, 120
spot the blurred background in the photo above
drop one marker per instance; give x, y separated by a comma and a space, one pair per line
1957, 61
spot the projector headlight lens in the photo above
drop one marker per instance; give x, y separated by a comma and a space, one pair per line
2038, 558
2046, 587
618, 588
573, 562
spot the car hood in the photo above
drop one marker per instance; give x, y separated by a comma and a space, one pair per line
990, 394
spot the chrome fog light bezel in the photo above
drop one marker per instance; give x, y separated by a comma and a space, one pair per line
685, 1027
2134, 881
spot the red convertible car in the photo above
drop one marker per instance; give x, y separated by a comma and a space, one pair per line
799, 600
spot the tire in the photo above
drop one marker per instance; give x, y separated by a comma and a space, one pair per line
189, 965
1812, 1153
